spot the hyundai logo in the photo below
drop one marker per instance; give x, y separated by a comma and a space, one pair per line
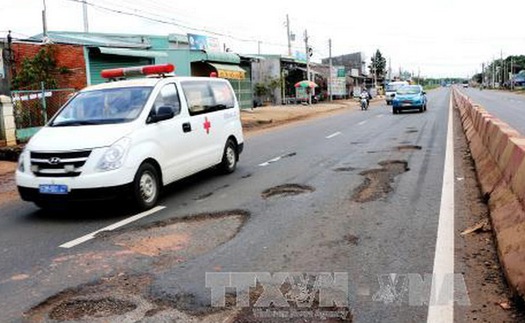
53, 161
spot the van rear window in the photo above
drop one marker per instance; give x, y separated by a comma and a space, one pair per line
205, 96
394, 87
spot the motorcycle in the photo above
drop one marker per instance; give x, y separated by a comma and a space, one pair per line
364, 104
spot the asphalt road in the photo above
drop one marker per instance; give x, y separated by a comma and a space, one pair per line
509, 107
389, 229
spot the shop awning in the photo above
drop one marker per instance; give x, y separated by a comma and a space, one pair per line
131, 52
210, 56
311, 70
229, 71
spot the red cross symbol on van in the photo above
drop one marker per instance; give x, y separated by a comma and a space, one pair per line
207, 125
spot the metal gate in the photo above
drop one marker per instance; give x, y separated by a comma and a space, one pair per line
33, 108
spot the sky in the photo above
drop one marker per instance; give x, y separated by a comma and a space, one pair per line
436, 38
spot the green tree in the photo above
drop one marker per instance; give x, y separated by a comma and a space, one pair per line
478, 78
40, 68
378, 64
518, 63
265, 90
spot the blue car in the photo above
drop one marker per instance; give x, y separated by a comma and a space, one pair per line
409, 97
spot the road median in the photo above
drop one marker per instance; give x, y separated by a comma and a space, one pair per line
498, 151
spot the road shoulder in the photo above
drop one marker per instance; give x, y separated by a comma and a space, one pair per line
476, 255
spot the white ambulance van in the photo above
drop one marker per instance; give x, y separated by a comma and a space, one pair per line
131, 138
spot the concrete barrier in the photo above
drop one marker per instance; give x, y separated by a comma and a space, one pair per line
499, 154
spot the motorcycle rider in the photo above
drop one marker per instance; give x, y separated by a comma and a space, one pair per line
365, 95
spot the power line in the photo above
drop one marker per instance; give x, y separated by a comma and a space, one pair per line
169, 21
163, 20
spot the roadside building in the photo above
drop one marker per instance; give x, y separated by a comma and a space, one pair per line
356, 70
274, 77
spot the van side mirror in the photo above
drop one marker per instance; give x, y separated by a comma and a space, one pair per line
424, 92
163, 113
393, 95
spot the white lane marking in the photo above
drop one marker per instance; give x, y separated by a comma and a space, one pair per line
361, 123
273, 160
441, 308
333, 135
114, 226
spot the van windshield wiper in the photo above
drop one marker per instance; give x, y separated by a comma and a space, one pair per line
75, 123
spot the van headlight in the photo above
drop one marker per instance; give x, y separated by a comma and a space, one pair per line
21, 166
114, 157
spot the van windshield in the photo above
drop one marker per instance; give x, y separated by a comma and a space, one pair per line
106, 106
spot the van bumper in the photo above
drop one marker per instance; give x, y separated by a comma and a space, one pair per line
76, 195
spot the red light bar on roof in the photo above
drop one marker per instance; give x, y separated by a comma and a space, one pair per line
138, 70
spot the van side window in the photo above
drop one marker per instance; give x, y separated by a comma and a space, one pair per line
206, 96
222, 94
168, 97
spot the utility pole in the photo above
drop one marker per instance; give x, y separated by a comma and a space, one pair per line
493, 72
307, 64
259, 47
44, 20
330, 81
482, 74
85, 12
502, 69
288, 35
389, 69
511, 75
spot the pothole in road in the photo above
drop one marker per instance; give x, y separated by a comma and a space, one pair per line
90, 308
378, 182
351, 239
345, 169
120, 298
412, 131
403, 148
105, 299
181, 238
287, 190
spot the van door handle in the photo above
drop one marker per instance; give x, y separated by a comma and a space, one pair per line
186, 127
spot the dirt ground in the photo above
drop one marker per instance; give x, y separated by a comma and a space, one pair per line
7, 182
262, 118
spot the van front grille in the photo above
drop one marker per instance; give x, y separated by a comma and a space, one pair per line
58, 164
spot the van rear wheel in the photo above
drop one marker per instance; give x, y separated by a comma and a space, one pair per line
229, 158
146, 187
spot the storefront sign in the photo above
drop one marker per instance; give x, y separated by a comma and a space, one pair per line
338, 77
236, 75
201, 42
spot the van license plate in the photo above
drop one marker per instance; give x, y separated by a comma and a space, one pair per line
53, 189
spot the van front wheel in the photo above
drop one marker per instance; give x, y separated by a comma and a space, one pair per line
229, 158
146, 187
